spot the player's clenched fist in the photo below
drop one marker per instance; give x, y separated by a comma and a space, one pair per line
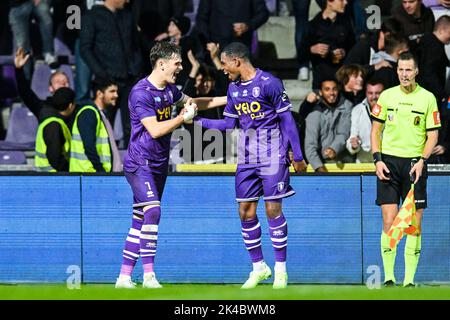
191, 111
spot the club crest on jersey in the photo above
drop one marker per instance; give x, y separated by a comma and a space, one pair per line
157, 99
256, 91
244, 93
417, 121
280, 186
235, 94
391, 117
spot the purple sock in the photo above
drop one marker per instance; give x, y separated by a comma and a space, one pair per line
278, 234
251, 232
149, 236
132, 244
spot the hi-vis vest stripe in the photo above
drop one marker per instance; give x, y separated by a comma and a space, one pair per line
79, 162
41, 162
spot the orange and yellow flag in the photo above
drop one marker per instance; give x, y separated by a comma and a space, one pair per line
405, 221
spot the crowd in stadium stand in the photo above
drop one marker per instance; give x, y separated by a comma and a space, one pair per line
348, 63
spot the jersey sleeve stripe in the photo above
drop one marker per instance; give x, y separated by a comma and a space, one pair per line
376, 119
230, 115
284, 109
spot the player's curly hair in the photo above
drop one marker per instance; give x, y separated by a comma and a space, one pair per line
237, 50
163, 50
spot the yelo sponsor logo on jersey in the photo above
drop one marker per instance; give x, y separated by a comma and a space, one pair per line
164, 113
252, 109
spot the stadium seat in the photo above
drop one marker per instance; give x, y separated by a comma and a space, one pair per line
61, 50
12, 157
41, 75
21, 133
8, 88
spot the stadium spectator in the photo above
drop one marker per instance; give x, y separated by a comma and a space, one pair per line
83, 75
359, 141
53, 135
257, 104
109, 44
301, 13
223, 22
19, 19
328, 128
153, 17
433, 60
363, 50
351, 81
415, 19
202, 83
177, 32
57, 80
93, 148
147, 159
395, 44
441, 8
432, 76
328, 39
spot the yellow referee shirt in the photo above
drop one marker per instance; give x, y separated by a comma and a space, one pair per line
406, 118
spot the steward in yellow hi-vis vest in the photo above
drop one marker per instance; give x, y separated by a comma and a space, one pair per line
53, 135
79, 161
93, 146
404, 133
41, 161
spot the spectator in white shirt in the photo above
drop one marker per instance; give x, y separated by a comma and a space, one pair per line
359, 141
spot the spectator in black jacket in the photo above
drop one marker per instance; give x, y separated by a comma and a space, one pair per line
177, 32
433, 60
202, 82
396, 44
432, 76
57, 80
415, 19
329, 38
351, 81
364, 49
224, 22
109, 45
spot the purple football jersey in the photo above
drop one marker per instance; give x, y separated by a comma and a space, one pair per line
145, 100
256, 104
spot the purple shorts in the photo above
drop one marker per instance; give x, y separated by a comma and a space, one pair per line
252, 183
147, 185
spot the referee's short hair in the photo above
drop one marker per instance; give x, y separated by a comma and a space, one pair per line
408, 56
237, 50
163, 50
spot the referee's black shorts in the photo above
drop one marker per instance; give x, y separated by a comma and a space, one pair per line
396, 189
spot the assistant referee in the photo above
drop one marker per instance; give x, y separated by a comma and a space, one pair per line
404, 133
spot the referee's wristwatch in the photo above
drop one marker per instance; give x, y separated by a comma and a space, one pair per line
424, 159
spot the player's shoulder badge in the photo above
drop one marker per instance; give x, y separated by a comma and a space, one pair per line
256, 91
376, 110
265, 78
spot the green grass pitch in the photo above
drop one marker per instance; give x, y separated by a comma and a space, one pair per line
220, 292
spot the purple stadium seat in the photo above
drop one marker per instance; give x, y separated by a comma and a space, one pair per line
62, 50
21, 133
12, 157
41, 75
8, 88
